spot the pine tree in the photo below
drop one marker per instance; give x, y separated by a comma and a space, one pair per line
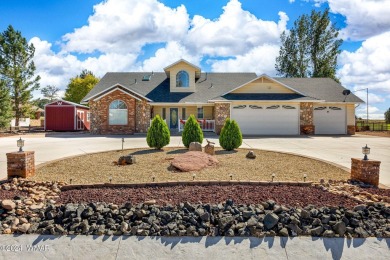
5, 108
310, 49
158, 134
17, 70
387, 116
231, 136
192, 132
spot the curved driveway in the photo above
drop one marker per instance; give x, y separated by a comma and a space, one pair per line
336, 149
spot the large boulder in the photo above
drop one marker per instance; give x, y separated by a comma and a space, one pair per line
193, 161
127, 159
8, 204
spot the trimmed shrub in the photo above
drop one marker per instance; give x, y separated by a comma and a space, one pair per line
158, 133
230, 137
192, 132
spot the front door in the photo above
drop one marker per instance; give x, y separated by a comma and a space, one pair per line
174, 117
80, 120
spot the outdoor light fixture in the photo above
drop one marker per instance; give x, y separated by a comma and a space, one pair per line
304, 177
231, 176
70, 180
123, 140
193, 176
365, 151
110, 179
153, 178
273, 176
20, 144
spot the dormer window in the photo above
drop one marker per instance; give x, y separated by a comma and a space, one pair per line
182, 79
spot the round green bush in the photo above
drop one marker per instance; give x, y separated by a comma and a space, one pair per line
158, 133
230, 137
192, 132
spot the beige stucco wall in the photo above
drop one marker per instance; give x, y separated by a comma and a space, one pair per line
263, 85
174, 70
351, 114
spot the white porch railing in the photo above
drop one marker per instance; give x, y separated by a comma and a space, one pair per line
206, 125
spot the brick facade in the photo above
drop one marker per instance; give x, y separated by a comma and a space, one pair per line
365, 170
351, 130
138, 115
306, 119
221, 113
21, 164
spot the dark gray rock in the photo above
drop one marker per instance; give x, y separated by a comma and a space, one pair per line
283, 232
270, 220
305, 214
317, 231
252, 222
223, 222
361, 232
127, 159
340, 228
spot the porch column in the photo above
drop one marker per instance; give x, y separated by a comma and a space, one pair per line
221, 113
306, 116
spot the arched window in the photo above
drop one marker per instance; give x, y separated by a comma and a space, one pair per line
182, 79
117, 113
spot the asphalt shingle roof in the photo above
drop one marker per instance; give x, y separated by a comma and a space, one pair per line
213, 86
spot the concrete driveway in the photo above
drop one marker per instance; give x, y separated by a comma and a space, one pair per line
336, 149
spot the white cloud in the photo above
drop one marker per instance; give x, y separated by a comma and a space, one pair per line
124, 26
291, 1
260, 60
368, 66
234, 33
172, 52
364, 18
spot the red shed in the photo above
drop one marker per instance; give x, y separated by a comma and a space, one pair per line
62, 115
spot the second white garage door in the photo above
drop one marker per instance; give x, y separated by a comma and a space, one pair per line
267, 119
329, 120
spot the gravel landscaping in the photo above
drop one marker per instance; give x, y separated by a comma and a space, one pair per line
99, 167
294, 196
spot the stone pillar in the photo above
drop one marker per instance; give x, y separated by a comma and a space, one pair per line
351, 129
365, 170
306, 116
221, 112
20, 164
142, 115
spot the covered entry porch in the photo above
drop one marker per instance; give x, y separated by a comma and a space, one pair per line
176, 115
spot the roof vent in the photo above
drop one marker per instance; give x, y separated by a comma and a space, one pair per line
146, 77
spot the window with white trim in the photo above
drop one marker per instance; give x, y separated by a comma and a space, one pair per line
88, 116
117, 113
182, 79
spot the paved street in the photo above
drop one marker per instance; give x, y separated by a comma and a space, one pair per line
336, 149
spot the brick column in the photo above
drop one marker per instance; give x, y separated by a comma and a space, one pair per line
20, 164
306, 118
365, 170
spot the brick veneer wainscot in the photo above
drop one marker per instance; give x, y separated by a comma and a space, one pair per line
306, 116
21, 164
99, 115
365, 170
351, 130
222, 112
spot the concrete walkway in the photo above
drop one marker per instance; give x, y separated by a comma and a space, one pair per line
94, 247
336, 149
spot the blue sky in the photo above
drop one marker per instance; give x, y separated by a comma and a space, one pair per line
218, 35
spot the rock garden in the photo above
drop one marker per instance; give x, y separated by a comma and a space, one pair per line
156, 192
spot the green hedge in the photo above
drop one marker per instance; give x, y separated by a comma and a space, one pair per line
158, 133
230, 137
192, 132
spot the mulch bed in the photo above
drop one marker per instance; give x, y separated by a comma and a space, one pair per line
11, 194
296, 196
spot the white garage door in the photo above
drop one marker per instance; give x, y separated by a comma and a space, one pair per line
329, 120
267, 119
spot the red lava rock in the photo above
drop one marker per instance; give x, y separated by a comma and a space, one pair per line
193, 161
295, 196
10, 194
